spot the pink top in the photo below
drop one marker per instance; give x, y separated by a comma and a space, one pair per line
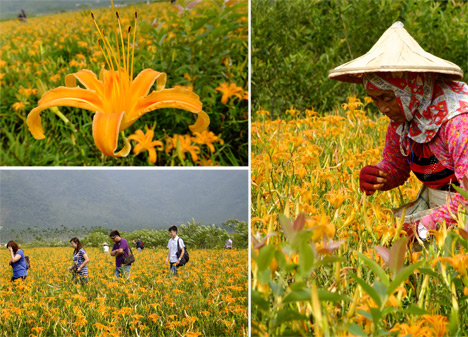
450, 146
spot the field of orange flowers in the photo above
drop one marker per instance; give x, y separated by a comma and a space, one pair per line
209, 298
329, 261
202, 49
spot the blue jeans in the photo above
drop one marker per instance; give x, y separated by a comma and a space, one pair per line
174, 268
123, 270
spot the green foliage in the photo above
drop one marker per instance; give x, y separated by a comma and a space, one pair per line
194, 234
295, 43
240, 236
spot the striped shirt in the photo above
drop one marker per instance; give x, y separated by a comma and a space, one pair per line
78, 258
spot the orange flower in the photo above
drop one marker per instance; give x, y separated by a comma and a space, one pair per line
117, 99
183, 144
145, 142
229, 90
207, 138
18, 106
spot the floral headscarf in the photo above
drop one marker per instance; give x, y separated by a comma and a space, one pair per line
426, 100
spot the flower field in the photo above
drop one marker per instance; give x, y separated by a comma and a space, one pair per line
329, 261
209, 298
202, 49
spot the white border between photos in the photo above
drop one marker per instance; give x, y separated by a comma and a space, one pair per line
249, 80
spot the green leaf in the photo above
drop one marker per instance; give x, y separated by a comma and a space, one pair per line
429, 272
376, 315
414, 310
374, 266
453, 323
280, 259
325, 295
264, 276
306, 259
402, 276
287, 226
397, 256
460, 190
368, 289
298, 285
287, 315
276, 288
265, 256
381, 289
366, 314
356, 330
259, 301
301, 295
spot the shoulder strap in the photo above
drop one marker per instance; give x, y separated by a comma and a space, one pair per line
178, 245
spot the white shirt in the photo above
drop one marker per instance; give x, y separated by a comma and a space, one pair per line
229, 243
172, 245
106, 249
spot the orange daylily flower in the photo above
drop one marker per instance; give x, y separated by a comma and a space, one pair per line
116, 98
228, 91
145, 142
207, 138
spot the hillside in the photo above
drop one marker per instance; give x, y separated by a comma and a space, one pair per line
10, 8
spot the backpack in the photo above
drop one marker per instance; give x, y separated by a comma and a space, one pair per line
184, 258
142, 245
28, 264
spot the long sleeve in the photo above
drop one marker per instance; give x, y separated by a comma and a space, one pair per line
393, 162
454, 135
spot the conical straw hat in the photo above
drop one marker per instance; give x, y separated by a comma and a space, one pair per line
395, 51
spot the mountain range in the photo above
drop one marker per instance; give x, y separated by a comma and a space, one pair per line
10, 9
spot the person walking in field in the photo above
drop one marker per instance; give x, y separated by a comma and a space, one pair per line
139, 244
120, 251
17, 261
22, 16
428, 129
106, 248
175, 245
228, 244
80, 262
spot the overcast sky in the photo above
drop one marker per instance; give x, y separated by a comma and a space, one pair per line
129, 198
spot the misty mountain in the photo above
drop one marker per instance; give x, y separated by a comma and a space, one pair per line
127, 199
11, 8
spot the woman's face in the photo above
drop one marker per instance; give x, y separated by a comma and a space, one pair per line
73, 244
387, 104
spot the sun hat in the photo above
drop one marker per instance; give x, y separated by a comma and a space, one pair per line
395, 51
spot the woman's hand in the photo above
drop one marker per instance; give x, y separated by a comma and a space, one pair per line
372, 179
10, 249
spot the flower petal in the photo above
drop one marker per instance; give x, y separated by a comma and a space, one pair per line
144, 81
89, 80
167, 98
152, 155
106, 133
201, 123
61, 96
